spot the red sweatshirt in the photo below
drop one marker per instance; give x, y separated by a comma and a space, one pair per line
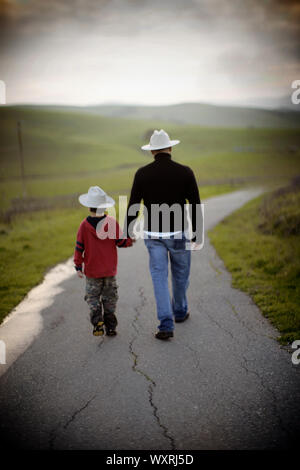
98, 249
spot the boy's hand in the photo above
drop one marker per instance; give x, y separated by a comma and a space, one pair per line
80, 274
195, 246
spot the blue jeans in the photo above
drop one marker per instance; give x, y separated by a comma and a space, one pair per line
159, 251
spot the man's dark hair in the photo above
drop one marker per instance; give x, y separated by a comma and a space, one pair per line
161, 150
93, 209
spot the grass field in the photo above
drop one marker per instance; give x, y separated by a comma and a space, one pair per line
28, 247
260, 245
66, 152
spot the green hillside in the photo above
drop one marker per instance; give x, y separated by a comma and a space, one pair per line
66, 152
205, 115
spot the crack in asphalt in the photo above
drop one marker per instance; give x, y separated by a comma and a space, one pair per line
53, 436
78, 411
53, 433
213, 320
242, 322
244, 365
88, 359
195, 352
151, 382
217, 323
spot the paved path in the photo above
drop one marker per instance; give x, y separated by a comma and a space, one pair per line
222, 382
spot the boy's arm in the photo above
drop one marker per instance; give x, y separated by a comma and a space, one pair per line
124, 242
120, 241
135, 200
79, 250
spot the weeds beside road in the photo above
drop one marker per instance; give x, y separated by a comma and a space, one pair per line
260, 246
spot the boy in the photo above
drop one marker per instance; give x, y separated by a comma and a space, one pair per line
97, 240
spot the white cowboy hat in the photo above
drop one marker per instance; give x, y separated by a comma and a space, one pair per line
96, 198
160, 140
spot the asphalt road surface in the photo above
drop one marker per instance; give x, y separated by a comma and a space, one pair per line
222, 382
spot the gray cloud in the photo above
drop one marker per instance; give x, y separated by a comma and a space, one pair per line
249, 43
33, 16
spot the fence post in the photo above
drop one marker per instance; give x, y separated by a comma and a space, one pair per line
21, 158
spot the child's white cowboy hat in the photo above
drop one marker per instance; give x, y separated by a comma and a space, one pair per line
96, 198
160, 140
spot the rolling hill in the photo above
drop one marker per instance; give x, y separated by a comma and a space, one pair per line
205, 115
200, 114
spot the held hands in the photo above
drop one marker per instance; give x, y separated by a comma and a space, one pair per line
80, 274
195, 246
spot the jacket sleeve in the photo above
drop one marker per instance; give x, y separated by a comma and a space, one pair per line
194, 207
133, 206
79, 249
120, 241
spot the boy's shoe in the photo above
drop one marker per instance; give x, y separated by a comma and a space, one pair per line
180, 320
110, 332
164, 334
98, 329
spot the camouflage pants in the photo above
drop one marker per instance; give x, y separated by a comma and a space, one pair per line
101, 294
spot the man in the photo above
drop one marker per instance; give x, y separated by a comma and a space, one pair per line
166, 184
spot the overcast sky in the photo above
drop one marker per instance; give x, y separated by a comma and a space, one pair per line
149, 51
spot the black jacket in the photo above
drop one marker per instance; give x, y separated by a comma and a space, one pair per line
165, 182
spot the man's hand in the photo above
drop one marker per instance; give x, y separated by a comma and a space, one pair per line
195, 246
80, 274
